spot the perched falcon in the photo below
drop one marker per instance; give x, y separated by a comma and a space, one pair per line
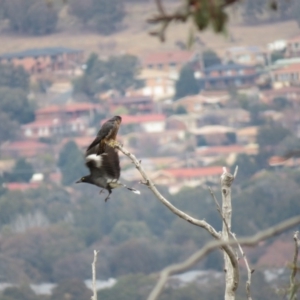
107, 134
104, 169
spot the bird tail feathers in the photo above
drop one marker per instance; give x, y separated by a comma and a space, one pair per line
133, 190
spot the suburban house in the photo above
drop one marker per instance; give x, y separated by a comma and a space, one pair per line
229, 75
183, 122
247, 135
214, 135
208, 155
291, 93
42, 60
287, 76
68, 111
28, 149
293, 47
197, 103
169, 61
57, 127
252, 55
158, 84
176, 179
133, 103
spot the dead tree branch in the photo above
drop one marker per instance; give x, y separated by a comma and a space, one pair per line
94, 297
183, 215
249, 270
293, 284
196, 257
226, 182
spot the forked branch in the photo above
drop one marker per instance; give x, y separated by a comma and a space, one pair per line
196, 257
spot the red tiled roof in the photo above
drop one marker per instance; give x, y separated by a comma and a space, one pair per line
195, 172
294, 39
290, 68
21, 186
42, 123
71, 107
168, 57
24, 145
222, 150
141, 119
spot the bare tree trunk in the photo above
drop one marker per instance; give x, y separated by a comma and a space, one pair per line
226, 181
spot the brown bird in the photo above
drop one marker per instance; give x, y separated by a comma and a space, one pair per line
107, 134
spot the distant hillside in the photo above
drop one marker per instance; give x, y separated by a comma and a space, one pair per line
134, 37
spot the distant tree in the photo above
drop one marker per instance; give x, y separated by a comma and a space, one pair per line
275, 55
272, 134
180, 110
247, 167
118, 72
140, 257
129, 287
31, 16
125, 230
15, 104
13, 77
71, 163
22, 171
187, 83
296, 12
253, 9
23, 292
104, 15
74, 289
280, 103
9, 128
81, 9
210, 58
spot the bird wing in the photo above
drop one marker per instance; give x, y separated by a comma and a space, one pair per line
106, 164
111, 162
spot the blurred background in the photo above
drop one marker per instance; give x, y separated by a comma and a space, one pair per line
190, 105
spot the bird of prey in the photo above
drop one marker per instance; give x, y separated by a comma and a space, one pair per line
104, 170
107, 134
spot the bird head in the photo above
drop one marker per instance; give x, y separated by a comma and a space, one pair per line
117, 118
83, 179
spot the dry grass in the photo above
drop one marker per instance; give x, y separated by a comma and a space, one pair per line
135, 38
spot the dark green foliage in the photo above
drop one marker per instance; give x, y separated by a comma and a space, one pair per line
126, 230
134, 256
30, 16
14, 103
253, 9
130, 287
50, 245
187, 83
22, 171
13, 77
248, 166
210, 58
231, 137
272, 134
9, 128
74, 289
275, 55
280, 103
180, 110
23, 292
103, 15
118, 72
71, 163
